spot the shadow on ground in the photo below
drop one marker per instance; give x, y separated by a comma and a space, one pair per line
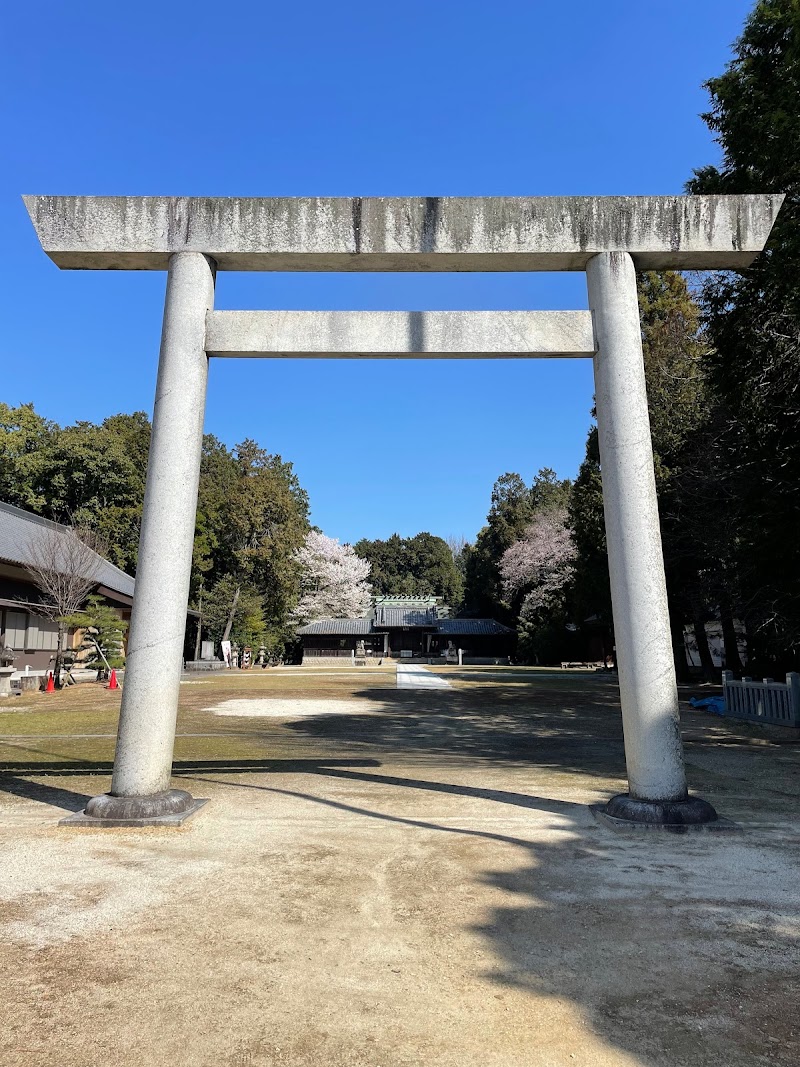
574, 730
676, 952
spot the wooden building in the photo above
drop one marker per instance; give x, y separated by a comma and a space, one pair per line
23, 627
405, 628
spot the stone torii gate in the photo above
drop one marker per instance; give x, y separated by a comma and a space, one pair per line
607, 237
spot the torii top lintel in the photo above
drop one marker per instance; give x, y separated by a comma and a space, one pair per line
403, 233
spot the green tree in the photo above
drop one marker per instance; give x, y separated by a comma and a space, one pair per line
230, 602
267, 520
103, 640
252, 519
25, 439
252, 513
88, 475
219, 482
422, 565
591, 595
753, 322
548, 491
509, 516
513, 506
682, 427
680, 413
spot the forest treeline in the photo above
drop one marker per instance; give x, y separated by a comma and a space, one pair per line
257, 564
252, 513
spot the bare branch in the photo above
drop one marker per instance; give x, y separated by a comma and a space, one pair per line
64, 565
456, 543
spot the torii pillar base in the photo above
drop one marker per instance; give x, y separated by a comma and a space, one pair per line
625, 813
170, 808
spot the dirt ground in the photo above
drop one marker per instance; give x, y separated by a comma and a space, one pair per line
385, 877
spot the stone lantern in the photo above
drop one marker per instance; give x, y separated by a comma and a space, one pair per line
7, 658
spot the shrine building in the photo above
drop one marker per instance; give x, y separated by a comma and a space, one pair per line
405, 627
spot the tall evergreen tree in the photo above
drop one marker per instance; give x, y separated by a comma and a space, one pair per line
680, 421
252, 513
88, 474
753, 321
513, 507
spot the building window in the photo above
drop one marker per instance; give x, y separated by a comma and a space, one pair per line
42, 634
16, 625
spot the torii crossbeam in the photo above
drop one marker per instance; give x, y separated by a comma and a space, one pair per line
607, 237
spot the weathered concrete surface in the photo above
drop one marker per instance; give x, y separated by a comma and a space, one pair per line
400, 334
416, 881
403, 233
154, 660
635, 559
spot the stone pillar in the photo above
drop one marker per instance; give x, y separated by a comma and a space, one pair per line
143, 759
648, 692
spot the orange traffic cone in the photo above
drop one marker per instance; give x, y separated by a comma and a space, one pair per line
51, 685
112, 680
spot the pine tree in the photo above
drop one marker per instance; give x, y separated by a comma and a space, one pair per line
103, 643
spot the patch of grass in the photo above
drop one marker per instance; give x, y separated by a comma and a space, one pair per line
524, 715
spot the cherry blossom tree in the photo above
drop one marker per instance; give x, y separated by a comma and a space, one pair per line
333, 580
536, 571
542, 563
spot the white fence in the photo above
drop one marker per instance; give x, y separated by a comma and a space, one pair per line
765, 701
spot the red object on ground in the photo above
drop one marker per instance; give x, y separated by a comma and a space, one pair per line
112, 681
51, 685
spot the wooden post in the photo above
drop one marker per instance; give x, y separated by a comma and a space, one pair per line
793, 681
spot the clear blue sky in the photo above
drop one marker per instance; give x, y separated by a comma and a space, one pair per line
523, 97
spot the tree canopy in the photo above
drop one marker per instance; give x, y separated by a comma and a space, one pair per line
513, 507
252, 512
422, 565
86, 474
752, 321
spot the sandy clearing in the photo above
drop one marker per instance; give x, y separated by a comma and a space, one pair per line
277, 708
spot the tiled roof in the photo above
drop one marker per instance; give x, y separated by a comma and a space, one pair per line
390, 617
472, 627
19, 532
341, 627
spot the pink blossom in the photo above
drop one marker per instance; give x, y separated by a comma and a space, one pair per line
543, 561
333, 580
